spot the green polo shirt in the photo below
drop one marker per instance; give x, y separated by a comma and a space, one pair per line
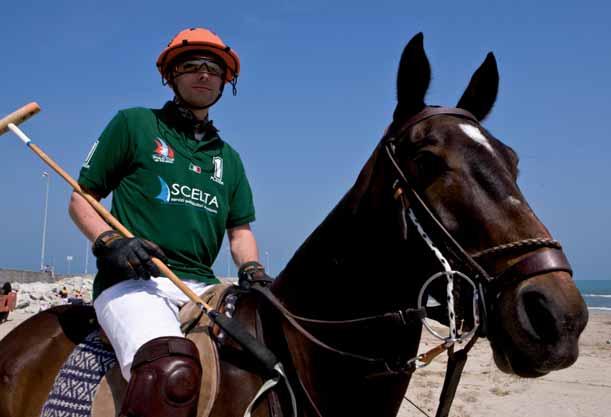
169, 188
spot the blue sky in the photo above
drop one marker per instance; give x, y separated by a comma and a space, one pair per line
317, 89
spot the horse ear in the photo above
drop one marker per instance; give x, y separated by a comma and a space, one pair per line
480, 95
413, 78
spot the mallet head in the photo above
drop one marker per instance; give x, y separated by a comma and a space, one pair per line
19, 116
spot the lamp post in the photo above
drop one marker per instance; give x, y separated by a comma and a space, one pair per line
44, 223
69, 261
267, 263
228, 260
87, 249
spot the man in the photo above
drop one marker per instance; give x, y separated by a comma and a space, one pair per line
175, 183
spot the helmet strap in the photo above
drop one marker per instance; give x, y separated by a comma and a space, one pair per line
234, 85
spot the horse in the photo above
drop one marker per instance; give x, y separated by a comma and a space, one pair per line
437, 197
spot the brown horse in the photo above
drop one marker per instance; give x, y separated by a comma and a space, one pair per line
367, 259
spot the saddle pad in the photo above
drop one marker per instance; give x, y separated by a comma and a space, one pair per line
76, 384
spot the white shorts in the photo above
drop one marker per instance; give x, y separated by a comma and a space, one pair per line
134, 312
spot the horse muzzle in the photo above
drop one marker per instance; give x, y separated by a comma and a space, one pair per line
536, 325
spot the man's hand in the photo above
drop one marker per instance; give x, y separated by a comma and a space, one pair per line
250, 272
128, 258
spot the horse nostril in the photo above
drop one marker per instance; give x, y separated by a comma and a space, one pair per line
541, 320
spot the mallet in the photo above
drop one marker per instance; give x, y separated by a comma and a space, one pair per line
230, 326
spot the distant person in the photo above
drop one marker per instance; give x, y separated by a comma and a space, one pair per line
174, 182
6, 290
63, 293
48, 269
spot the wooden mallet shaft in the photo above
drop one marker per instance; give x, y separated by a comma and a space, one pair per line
10, 123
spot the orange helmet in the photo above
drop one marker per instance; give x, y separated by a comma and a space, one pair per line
200, 39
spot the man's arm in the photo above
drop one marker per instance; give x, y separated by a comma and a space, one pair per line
243, 244
123, 257
85, 217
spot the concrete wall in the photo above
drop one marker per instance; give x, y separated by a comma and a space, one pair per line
15, 275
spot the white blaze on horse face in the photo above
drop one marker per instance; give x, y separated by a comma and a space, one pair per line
476, 134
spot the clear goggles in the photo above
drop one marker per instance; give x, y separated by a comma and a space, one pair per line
197, 65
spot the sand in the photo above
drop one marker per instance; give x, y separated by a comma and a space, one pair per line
583, 390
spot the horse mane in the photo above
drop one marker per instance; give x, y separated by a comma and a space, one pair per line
354, 197
332, 254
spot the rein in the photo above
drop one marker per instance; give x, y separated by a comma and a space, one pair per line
378, 366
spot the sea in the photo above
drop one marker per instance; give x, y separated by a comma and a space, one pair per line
596, 293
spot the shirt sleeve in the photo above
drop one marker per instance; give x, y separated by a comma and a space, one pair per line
241, 206
109, 159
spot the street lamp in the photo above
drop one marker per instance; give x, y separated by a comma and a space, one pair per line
267, 262
228, 260
87, 249
69, 261
44, 223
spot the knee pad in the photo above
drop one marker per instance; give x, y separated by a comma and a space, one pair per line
166, 380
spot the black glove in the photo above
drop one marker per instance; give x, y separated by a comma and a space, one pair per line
126, 258
250, 272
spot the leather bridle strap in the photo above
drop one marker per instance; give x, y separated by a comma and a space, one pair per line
375, 365
415, 198
456, 364
452, 245
541, 262
431, 111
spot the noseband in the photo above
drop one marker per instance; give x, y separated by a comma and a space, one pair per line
539, 262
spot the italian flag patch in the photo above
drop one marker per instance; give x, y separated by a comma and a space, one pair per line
195, 168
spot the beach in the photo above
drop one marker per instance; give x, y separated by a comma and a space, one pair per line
583, 390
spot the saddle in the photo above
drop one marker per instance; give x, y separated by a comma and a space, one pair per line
109, 396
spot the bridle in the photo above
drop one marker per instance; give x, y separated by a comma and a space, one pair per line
543, 256
536, 262
538, 256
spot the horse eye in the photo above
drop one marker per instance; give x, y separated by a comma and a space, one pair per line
428, 166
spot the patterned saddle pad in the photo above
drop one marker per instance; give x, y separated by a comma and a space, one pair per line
76, 384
